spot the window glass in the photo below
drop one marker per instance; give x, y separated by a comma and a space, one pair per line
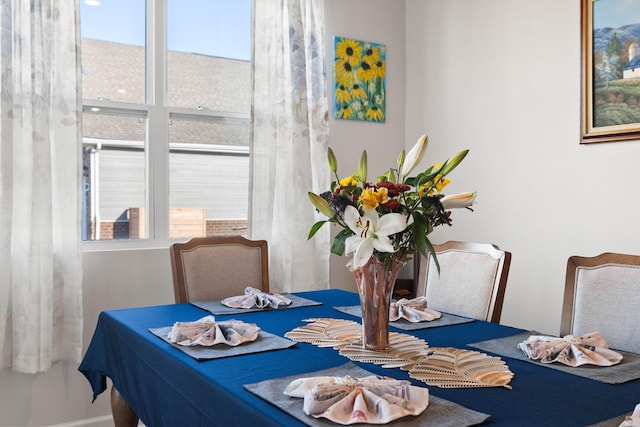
113, 174
209, 172
175, 164
209, 53
113, 50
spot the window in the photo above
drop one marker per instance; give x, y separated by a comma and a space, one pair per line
166, 106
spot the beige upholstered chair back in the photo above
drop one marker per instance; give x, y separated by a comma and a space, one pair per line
602, 293
212, 268
472, 279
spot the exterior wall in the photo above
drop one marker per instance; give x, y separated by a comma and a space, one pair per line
110, 230
631, 73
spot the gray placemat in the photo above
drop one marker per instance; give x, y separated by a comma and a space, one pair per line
445, 320
628, 369
440, 412
264, 342
216, 307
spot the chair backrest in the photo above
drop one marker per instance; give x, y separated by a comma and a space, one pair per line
472, 279
212, 268
602, 293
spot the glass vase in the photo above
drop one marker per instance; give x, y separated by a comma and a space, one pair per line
375, 282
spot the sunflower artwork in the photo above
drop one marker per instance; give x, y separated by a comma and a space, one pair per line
359, 72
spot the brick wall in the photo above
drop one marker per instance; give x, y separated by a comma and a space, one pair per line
227, 227
215, 227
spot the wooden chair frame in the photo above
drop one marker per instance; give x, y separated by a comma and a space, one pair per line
502, 273
179, 282
575, 262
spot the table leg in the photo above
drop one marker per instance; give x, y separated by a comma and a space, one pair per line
123, 415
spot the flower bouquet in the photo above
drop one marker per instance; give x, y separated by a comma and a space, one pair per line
385, 222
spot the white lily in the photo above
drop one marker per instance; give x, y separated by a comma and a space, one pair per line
371, 232
460, 200
413, 157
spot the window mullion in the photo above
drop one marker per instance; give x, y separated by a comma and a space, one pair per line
158, 142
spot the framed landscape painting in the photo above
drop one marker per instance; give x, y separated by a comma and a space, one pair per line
359, 80
610, 70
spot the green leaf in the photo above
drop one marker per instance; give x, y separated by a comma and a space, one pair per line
421, 230
420, 225
339, 242
432, 251
315, 228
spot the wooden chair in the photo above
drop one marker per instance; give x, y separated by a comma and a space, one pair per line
212, 268
472, 279
602, 293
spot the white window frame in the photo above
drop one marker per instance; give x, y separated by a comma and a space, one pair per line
157, 130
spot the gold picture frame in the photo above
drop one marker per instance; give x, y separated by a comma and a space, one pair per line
610, 71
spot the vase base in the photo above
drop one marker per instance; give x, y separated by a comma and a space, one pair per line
376, 347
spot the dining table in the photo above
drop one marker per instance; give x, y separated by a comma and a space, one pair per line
166, 386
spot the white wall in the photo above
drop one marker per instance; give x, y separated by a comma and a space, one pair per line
502, 78
378, 21
112, 279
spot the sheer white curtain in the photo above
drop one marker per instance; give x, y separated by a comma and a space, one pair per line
40, 267
290, 135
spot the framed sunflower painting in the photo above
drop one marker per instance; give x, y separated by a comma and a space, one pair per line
359, 75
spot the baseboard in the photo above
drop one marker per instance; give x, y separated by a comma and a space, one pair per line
104, 421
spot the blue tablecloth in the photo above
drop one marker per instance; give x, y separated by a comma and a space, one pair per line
166, 387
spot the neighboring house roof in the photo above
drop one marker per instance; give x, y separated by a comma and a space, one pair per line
634, 63
115, 71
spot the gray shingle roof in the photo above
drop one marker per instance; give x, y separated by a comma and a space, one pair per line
634, 63
115, 72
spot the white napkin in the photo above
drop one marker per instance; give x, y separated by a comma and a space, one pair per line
588, 349
256, 298
208, 332
348, 400
414, 310
634, 419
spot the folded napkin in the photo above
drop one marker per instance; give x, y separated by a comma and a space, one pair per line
348, 400
208, 332
632, 420
256, 298
414, 310
588, 349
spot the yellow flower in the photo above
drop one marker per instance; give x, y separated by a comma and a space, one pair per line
372, 197
349, 181
342, 95
366, 73
431, 187
374, 113
380, 69
345, 112
343, 72
357, 92
371, 54
349, 50
441, 184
